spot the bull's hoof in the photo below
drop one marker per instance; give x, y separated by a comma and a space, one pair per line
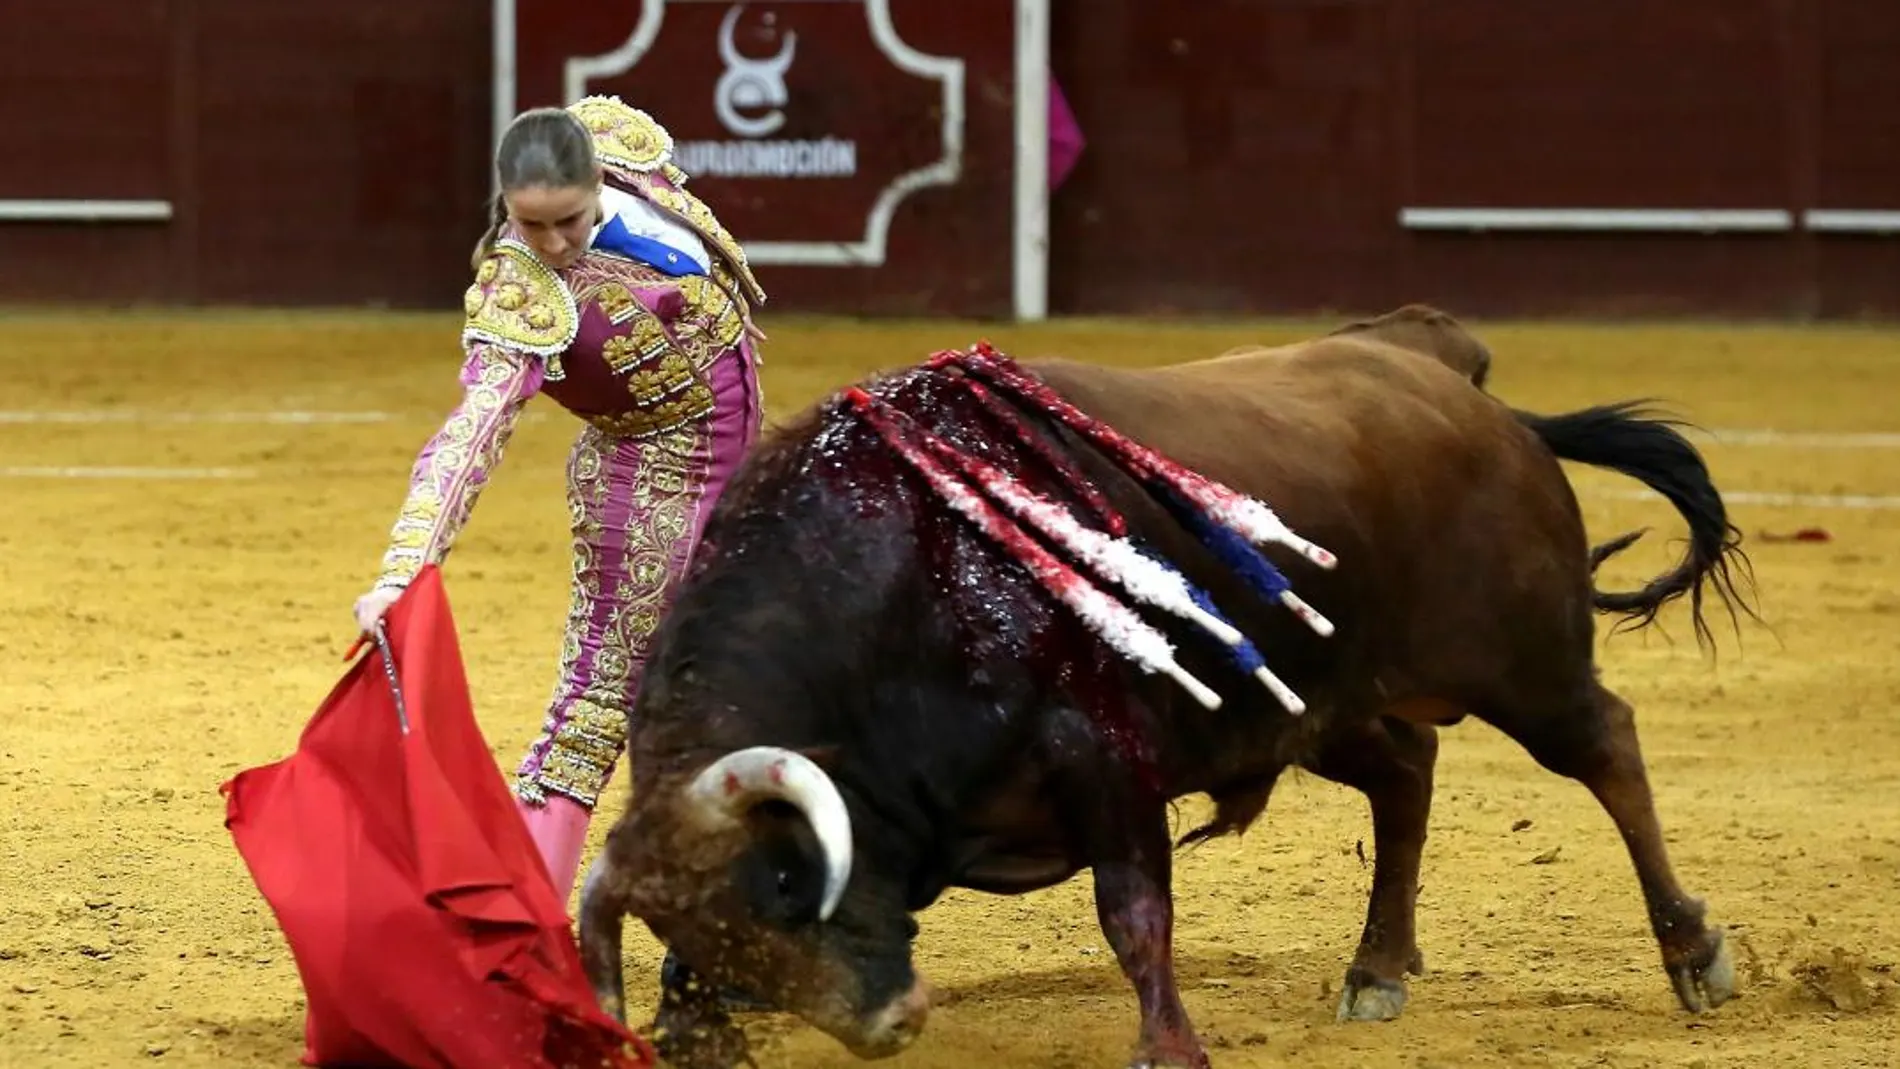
711, 1045
1183, 1053
1368, 998
674, 978
1147, 1061
1708, 979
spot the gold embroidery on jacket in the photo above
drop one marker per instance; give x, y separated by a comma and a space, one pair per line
516, 301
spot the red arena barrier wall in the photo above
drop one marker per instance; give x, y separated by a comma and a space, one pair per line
852, 145
891, 157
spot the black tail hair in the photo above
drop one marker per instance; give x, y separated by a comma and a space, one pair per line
1636, 440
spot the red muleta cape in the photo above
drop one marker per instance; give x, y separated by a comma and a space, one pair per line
424, 926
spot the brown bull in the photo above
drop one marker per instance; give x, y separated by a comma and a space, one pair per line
859, 702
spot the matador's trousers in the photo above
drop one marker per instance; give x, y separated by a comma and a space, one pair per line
637, 509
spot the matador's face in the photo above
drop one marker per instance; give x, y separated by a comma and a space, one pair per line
555, 221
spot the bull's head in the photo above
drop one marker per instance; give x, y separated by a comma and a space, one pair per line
744, 869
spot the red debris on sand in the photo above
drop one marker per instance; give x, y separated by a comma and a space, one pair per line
1805, 534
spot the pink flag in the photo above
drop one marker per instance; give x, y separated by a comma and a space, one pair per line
1065, 137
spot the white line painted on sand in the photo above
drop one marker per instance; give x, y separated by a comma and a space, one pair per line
133, 415
1757, 436
18, 472
1806, 439
1875, 502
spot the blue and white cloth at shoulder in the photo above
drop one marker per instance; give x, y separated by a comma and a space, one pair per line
637, 231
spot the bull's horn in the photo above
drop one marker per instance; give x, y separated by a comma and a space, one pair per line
729, 786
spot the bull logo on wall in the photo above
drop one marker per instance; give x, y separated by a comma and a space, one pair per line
750, 83
815, 182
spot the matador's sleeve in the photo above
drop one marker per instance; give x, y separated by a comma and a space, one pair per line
456, 462
519, 314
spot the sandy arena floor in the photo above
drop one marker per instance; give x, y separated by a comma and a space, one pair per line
161, 632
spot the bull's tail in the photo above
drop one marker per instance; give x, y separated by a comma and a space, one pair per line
1630, 439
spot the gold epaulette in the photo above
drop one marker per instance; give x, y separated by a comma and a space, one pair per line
624, 136
629, 140
517, 302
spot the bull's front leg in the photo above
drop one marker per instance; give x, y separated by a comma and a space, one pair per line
690, 1029
603, 911
1133, 902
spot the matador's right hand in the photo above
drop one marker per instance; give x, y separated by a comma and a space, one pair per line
371, 606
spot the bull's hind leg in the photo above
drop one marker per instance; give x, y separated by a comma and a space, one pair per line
1391, 762
1596, 745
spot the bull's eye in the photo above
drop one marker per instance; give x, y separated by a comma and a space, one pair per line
781, 879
